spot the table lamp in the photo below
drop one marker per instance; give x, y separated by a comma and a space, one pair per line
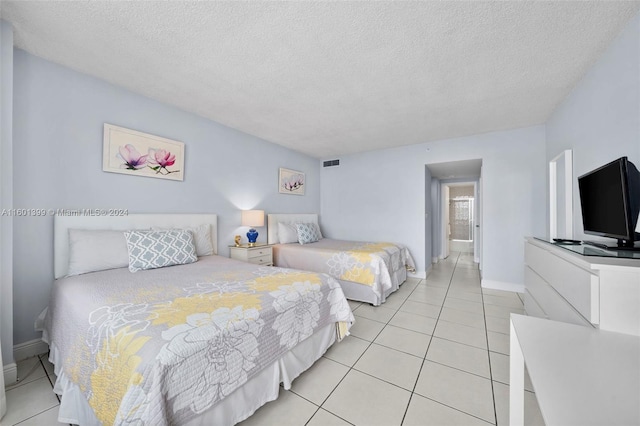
252, 218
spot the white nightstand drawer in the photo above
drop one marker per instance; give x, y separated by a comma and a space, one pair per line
261, 260
259, 252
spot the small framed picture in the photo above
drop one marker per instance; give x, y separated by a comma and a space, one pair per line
291, 182
140, 154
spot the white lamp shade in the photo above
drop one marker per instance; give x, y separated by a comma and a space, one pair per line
253, 218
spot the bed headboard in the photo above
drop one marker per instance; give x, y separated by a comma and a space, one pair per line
273, 219
62, 224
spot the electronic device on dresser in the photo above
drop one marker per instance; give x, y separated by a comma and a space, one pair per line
610, 201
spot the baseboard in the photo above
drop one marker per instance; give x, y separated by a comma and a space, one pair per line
10, 373
501, 285
28, 349
435, 259
418, 274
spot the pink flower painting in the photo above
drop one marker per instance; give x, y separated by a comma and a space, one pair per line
160, 159
130, 152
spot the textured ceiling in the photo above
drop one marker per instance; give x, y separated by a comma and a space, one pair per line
332, 78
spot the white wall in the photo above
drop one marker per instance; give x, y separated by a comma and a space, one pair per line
6, 193
600, 119
380, 195
57, 142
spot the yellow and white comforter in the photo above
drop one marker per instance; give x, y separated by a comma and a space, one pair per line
159, 347
370, 264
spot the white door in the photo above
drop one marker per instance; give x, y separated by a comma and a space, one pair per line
446, 226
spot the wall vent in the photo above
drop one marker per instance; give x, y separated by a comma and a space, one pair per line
331, 163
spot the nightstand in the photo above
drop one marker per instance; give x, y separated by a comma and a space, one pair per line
260, 254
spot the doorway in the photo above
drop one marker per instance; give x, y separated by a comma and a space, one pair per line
454, 210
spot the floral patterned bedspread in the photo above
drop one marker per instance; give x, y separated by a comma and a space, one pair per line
160, 346
371, 264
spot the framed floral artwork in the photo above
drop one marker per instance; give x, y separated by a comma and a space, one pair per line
291, 182
140, 154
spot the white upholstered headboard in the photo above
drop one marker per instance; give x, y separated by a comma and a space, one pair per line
273, 219
62, 224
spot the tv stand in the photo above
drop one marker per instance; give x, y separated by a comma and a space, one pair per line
622, 246
593, 291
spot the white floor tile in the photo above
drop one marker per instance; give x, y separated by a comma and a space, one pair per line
501, 311
500, 370
28, 400
462, 334
47, 418
499, 325
325, 418
347, 351
392, 366
29, 370
365, 328
320, 380
423, 411
394, 301
426, 297
413, 322
498, 342
463, 391
424, 309
404, 340
353, 304
364, 400
462, 317
510, 302
375, 313
288, 409
532, 415
460, 356
464, 305
464, 295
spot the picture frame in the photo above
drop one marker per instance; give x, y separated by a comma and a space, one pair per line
135, 153
291, 182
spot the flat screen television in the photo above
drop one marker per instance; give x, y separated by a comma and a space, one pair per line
610, 201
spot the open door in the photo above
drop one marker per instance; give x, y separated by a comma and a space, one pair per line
446, 229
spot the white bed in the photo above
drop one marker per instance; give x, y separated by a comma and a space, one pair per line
388, 262
263, 382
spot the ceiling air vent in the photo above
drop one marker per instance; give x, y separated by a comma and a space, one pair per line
331, 163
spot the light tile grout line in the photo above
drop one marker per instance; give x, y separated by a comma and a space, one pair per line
425, 358
429, 345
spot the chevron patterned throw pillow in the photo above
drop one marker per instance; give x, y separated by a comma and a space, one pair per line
156, 249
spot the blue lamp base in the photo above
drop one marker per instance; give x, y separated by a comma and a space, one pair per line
252, 236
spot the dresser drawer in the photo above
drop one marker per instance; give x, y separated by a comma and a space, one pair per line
531, 307
578, 286
261, 260
555, 306
259, 252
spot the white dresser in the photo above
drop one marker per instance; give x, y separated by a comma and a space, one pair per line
594, 291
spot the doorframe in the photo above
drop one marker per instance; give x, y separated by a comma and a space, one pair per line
477, 216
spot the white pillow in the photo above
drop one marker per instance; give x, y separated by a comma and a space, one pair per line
157, 249
96, 250
287, 233
202, 238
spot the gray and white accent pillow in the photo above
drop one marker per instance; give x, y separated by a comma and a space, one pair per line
157, 249
308, 233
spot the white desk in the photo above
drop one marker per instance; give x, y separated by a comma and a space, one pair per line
581, 375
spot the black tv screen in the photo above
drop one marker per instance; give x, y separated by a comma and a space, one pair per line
610, 201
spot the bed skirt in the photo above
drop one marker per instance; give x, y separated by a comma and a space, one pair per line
237, 406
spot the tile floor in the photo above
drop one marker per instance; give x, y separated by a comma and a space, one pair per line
436, 353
